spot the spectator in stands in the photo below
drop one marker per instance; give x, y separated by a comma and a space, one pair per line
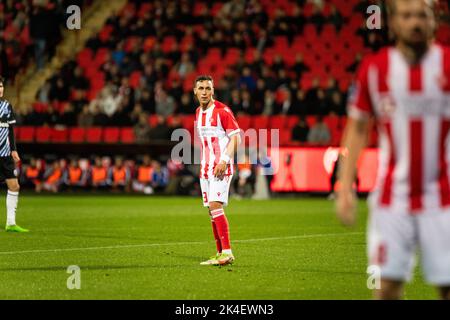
52, 178
33, 174
187, 105
107, 101
246, 178
43, 93
160, 177
99, 175
184, 66
301, 108
75, 177
119, 175
287, 106
79, 81
299, 66
247, 81
335, 18
300, 131
165, 104
51, 116
278, 64
68, 117
161, 131
100, 119
269, 106
319, 134
59, 90
175, 124
317, 18
147, 101
85, 118
311, 97
143, 180
337, 104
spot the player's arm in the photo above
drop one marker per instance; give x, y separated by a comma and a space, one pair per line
360, 110
226, 157
354, 141
12, 144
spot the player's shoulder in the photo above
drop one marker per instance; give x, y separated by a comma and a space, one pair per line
222, 107
376, 59
5, 103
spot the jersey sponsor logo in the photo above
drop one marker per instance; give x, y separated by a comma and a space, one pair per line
4, 125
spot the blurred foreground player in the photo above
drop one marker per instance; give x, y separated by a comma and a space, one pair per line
8, 158
407, 89
219, 135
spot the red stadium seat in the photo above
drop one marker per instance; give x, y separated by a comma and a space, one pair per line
277, 122
111, 134
77, 135
291, 122
153, 120
260, 122
127, 135
244, 122
285, 137
94, 135
43, 134
59, 135
26, 134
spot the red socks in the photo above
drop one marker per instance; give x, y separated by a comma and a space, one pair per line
221, 229
216, 236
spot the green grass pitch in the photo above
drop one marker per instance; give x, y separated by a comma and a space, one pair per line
150, 247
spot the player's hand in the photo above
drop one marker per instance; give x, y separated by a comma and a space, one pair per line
346, 207
15, 156
219, 170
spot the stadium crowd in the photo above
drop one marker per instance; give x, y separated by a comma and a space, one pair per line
146, 56
30, 31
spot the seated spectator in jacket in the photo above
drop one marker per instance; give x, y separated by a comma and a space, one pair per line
300, 132
246, 178
119, 175
75, 176
144, 175
85, 118
52, 178
165, 104
247, 81
161, 131
160, 177
142, 129
33, 174
319, 134
99, 174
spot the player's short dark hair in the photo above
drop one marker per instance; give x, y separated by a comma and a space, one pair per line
2, 80
203, 77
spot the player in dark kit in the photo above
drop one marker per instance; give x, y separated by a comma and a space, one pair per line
8, 158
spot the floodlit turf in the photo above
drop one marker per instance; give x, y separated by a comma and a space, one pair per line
150, 248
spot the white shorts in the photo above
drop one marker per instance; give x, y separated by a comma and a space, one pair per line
395, 237
215, 190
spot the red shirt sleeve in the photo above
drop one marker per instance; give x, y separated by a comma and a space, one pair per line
359, 103
228, 121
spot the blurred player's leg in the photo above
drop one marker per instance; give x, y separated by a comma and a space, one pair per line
390, 290
12, 198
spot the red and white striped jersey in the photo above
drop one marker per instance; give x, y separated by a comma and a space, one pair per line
215, 126
411, 104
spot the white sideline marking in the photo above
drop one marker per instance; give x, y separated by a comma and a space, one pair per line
305, 236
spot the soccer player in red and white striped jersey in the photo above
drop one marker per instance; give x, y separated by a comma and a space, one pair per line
219, 134
406, 88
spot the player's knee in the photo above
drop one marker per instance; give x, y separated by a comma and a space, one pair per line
390, 290
214, 205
